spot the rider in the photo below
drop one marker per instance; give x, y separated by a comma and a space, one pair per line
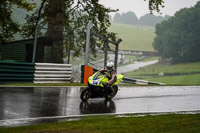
110, 73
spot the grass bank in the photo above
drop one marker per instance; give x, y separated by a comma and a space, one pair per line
176, 123
134, 37
179, 74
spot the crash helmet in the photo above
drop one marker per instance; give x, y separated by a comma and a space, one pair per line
109, 65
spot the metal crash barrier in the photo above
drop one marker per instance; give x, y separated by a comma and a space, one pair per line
17, 72
52, 73
137, 81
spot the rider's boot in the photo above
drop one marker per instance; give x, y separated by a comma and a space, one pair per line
112, 91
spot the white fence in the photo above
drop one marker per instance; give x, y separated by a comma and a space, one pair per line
52, 73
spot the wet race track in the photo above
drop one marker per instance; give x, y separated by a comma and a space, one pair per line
28, 105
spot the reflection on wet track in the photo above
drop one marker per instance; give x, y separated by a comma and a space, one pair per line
97, 107
41, 102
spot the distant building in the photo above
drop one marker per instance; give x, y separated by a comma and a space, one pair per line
22, 50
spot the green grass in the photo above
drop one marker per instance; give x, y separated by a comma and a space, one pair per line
134, 38
179, 74
176, 123
178, 80
178, 68
134, 57
151, 59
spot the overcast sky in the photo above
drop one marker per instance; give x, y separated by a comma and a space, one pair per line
140, 7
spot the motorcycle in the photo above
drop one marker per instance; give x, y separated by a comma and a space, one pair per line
96, 88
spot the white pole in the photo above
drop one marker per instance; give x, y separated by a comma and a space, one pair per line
89, 26
35, 44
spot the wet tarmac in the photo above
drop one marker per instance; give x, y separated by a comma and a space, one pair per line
29, 105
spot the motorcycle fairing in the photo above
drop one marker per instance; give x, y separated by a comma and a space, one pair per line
119, 78
100, 80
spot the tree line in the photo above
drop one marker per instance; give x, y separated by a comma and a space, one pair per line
131, 18
178, 38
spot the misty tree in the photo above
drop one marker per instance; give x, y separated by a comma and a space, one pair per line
71, 17
61, 15
126, 18
152, 20
178, 38
117, 18
7, 26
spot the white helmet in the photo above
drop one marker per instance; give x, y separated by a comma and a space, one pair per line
109, 65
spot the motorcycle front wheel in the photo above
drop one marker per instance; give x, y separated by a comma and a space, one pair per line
85, 94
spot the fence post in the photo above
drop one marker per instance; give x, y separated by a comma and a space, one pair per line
116, 55
105, 51
35, 44
116, 52
89, 26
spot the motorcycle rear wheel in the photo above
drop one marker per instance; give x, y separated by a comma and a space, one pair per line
85, 94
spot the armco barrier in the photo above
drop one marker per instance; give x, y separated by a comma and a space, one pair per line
13, 72
137, 81
52, 73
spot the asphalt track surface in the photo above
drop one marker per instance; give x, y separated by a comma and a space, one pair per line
32, 105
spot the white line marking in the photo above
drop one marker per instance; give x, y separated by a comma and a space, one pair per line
122, 113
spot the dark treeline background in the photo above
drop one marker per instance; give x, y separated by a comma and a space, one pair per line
178, 38
131, 18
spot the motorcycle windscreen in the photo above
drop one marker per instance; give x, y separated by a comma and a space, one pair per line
98, 81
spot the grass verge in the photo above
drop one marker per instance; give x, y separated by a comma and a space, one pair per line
179, 74
193, 79
176, 123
